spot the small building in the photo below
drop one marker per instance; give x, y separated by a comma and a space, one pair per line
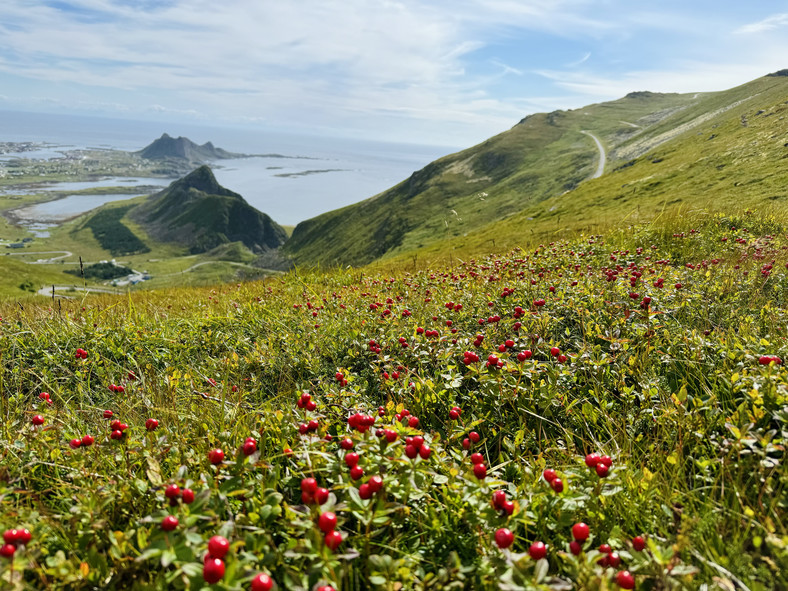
15, 245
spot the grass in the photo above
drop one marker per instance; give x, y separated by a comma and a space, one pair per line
673, 391
533, 177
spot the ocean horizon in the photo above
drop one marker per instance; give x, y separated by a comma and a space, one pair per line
318, 173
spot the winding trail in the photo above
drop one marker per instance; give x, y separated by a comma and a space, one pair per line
65, 254
602, 156
47, 291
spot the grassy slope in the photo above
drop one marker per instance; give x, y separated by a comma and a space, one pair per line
695, 426
15, 272
528, 168
719, 165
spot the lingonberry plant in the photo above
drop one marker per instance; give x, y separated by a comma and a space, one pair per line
603, 413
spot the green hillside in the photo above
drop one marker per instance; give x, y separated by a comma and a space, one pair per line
662, 150
201, 214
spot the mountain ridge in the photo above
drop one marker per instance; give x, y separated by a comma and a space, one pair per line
541, 158
181, 148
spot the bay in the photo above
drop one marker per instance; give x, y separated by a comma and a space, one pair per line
316, 174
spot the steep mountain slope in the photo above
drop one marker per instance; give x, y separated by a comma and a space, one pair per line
183, 149
198, 212
546, 158
731, 162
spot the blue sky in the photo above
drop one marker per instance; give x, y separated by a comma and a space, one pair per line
443, 72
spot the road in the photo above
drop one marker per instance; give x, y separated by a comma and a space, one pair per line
602, 156
64, 254
47, 291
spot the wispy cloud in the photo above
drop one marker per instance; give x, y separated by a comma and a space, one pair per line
773, 22
461, 68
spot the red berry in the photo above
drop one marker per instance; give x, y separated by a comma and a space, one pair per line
549, 475
116, 435
115, 425
11, 536
592, 460
187, 496
262, 582
37, 420
213, 570
580, 531
411, 451
75, 443
425, 452
346, 443
480, 471
172, 491
613, 559
23, 536
625, 579
454, 415
508, 507
504, 538
365, 492
498, 499
605, 549
169, 523
321, 496
555, 351
218, 546
333, 539
7, 550
557, 485
249, 447
107, 414
151, 424
575, 547
606, 460
466, 443
351, 459
537, 551
639, 543
413, 422
474, 436
327, 522
602, 470
88, 440
216, 456
309, 485
356, 472
375, 483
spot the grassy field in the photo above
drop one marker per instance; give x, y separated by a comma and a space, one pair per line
447, 415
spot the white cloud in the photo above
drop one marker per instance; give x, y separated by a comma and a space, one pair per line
398, 66
772, 22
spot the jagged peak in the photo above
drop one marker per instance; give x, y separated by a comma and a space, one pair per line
202, 179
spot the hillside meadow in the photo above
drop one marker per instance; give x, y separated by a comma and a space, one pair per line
605, 412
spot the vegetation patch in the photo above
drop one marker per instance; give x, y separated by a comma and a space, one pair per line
609, 413
102, 271
112, 234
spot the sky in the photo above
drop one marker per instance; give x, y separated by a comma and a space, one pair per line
437, 72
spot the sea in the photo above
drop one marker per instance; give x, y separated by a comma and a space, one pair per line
301, 177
